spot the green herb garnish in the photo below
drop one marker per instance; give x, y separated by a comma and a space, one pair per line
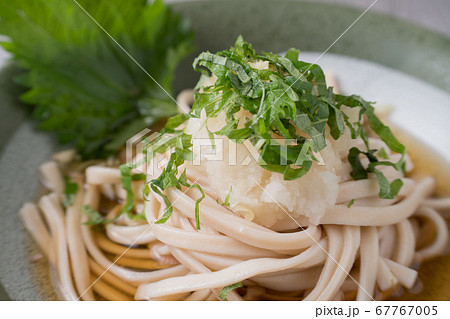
226, 202
168, 178
387, 190
95, 218
382, 154
289, 99
70, 190
128, 207
127, 178
83, 86
225, 290
350, 203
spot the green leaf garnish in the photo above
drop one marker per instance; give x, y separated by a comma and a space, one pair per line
197, 205
382, 154
128, 207
387, 190
127, 178
70, 190
358, 171
95, 218
350, 203
288, 99
83, 86
225, 290
226, 202
169, 178
169, 209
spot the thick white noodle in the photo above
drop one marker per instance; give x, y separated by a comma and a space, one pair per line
440, 242
31, 219
55, 219
374, 240
77, 251
246, 269
369, 255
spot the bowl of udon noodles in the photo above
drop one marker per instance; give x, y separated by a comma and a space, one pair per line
277, 180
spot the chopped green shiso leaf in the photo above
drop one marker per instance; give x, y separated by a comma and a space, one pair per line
127, 179
95, 218
226, 202
225, 290
350, 203
83, 86
382, 154
70, 190
288, 97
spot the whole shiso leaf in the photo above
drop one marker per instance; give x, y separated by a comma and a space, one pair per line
84, 87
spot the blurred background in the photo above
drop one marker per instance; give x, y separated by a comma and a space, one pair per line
432, 14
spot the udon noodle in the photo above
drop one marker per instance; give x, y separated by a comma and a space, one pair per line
362, 252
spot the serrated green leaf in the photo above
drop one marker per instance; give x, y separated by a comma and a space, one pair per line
83, 86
